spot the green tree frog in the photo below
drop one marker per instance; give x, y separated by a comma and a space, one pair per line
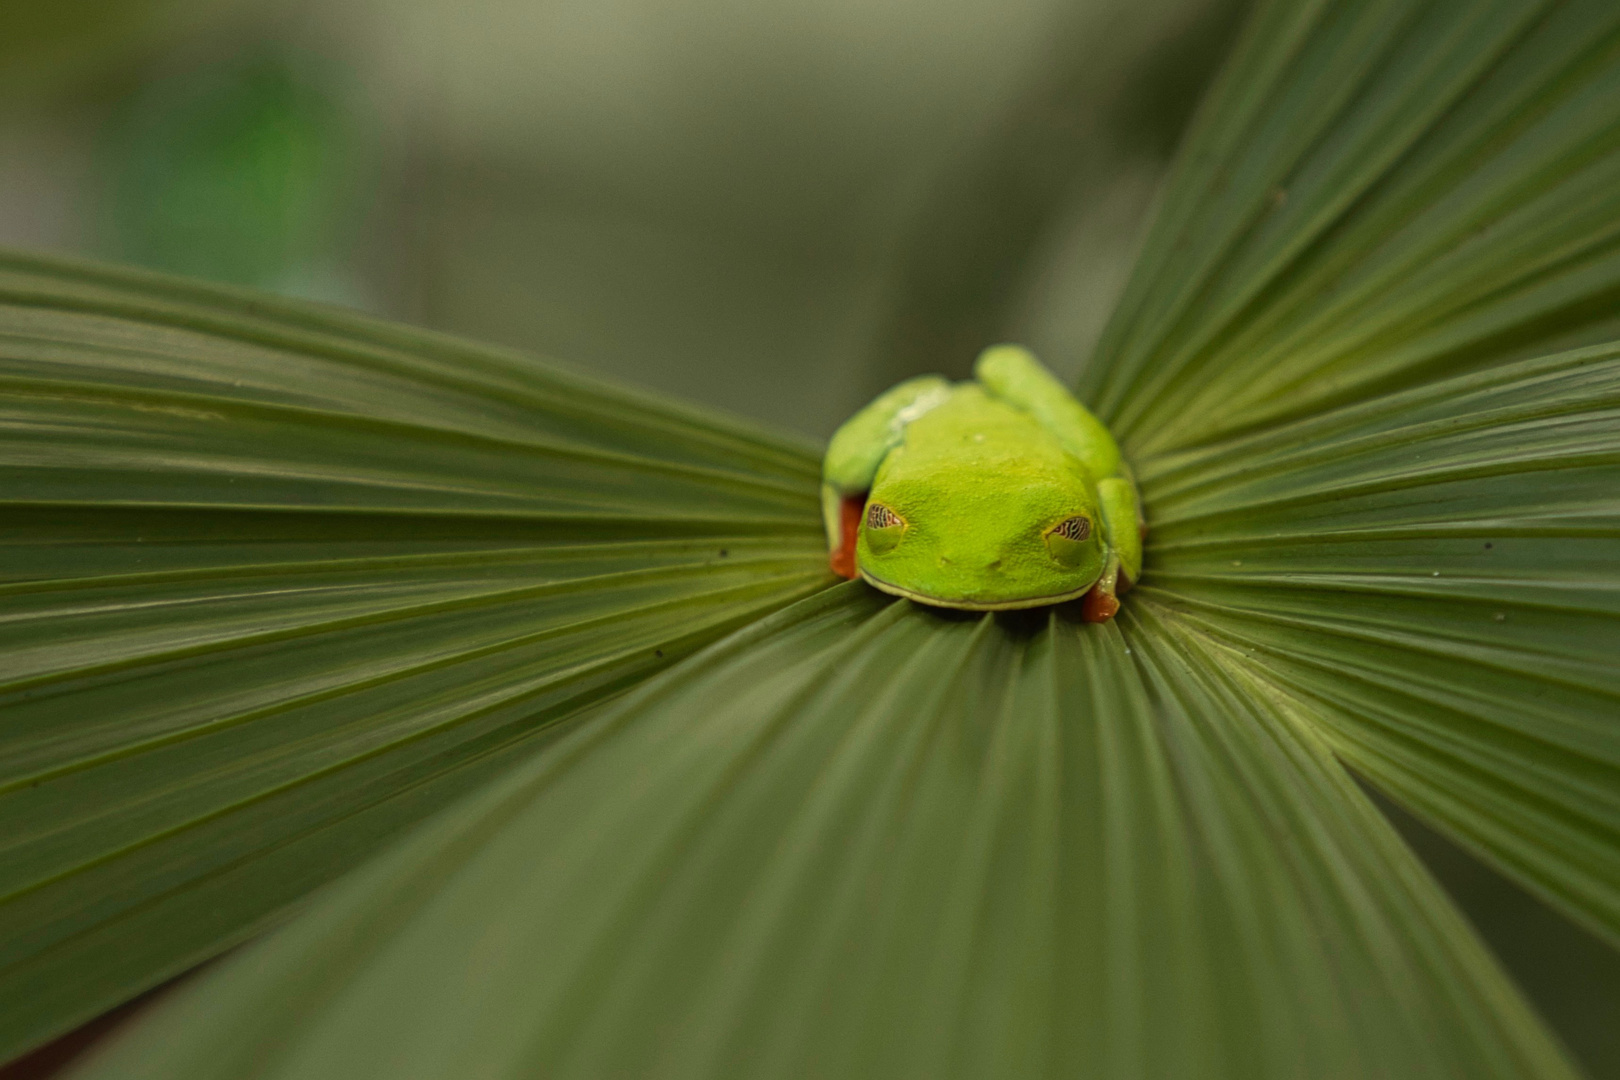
996, 493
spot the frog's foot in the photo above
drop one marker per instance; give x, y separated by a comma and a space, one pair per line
842, 557
1098, 605
1101, 603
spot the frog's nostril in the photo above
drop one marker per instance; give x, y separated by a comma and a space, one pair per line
994, 564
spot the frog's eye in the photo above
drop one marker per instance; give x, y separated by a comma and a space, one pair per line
883, 528
1077, 529
879, 516
1066, 541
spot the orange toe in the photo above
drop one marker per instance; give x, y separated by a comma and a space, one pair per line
842, 558
1098, 606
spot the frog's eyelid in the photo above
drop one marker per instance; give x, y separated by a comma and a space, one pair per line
879, 516
1076, 528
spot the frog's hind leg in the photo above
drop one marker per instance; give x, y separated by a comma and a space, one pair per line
1011, 373
1123, 526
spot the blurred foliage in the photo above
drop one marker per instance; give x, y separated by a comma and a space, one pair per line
748, 206
234, 172
45, 42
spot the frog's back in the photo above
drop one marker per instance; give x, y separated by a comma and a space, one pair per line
973, 430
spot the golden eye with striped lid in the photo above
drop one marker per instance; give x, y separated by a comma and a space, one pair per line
883, 529
879, 516
1069, 540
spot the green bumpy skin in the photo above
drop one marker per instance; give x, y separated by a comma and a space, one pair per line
1002, 492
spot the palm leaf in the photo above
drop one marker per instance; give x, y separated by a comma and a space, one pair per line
864, 839
274, 583
1406, 192
1433, 575
861, 838
1379, 193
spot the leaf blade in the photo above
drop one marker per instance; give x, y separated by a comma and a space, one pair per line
277, 582
1437, 579
1309, 253
882, 841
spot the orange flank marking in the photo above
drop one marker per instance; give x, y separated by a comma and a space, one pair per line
842, 559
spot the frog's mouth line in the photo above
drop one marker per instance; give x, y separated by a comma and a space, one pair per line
973, 605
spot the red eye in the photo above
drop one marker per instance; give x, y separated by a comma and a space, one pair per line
1075, 528
879, 516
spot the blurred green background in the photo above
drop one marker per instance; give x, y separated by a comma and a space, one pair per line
778, 209
775, 208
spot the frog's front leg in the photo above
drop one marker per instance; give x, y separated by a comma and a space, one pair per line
1121, 523
854, 454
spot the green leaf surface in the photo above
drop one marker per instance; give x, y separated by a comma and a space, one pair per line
863, 838
1351, 473
1436, 575
1378, 193
275, 583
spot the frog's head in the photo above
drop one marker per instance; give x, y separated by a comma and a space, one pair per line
991, 535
